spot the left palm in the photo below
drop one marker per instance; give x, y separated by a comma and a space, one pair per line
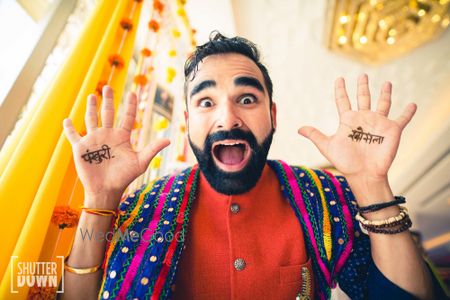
364, 155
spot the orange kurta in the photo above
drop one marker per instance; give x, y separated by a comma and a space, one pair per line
259, 228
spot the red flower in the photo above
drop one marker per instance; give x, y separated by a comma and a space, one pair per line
153, 25
126, 23
100, 85
158, 6
140, 79
65, 217
116, 60
146, 52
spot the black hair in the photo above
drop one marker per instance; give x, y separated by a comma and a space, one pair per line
219, 44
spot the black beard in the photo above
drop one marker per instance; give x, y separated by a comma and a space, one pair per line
233, 183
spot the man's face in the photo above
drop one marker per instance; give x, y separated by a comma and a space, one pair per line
230, 121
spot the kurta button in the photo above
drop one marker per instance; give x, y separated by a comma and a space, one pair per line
235, 208
239, 264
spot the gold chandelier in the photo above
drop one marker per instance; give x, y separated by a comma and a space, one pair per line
378, 30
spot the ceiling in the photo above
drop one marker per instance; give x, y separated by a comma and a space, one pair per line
290, 36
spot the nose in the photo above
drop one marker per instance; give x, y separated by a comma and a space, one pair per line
228, 118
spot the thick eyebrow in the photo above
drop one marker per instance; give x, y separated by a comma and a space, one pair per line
201, 86
249, 81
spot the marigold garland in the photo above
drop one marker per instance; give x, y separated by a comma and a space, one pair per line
65, 217
140, 79
146, 52
99, 87
41, 293
171, 73
126, 23
173, 53
158, 6
176, 33
116, 60
153, 25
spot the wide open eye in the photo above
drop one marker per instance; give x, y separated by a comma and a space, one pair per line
205, 103
247, 99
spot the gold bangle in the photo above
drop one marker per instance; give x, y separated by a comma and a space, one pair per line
99, 212
81, 271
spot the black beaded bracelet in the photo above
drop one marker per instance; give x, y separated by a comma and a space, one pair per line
405, 226
374, 207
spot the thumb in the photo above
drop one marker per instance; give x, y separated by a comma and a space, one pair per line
316, 136
150, 151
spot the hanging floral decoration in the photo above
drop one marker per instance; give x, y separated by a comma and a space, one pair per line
146, 52
153, 25
65, 217
170, 75
126, 23
39, 293
158, 6
99, 87
176, 33
173, 53
181, 12
140, 79
116, 61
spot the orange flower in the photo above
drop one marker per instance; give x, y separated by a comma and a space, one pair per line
100, 86
146, 52
181, 158
38, 293
158, 6
126, 23
153, 25
65, 217
116, 60
140, 79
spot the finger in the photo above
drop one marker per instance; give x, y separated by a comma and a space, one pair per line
340, 94
363, 93
147, 154
70, 132
130, 112
407, 115
384, 102
91, 119
107, 107
316, 136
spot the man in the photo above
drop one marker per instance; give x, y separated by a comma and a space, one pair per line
239, 226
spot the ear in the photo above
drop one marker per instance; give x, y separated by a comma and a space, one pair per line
273, 111
186, 119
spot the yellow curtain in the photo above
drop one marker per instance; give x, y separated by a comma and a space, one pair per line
40, 172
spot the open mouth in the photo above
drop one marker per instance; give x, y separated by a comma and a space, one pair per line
231, 155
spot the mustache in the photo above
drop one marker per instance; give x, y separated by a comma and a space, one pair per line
233, 134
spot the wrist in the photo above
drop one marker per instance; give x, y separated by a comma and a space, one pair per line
102, 200
369, 190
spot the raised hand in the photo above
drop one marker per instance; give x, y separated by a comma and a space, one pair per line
366, 141
104, 158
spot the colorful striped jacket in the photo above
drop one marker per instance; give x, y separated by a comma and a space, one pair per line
141, 261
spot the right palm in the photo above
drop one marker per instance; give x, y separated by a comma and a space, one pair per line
111, 174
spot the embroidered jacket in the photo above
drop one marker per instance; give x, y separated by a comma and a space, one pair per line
141, 261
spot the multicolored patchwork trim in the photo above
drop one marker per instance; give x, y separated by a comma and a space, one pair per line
151, 226
319, 203
158, 214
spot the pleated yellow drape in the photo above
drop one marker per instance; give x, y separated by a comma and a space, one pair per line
37, 172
